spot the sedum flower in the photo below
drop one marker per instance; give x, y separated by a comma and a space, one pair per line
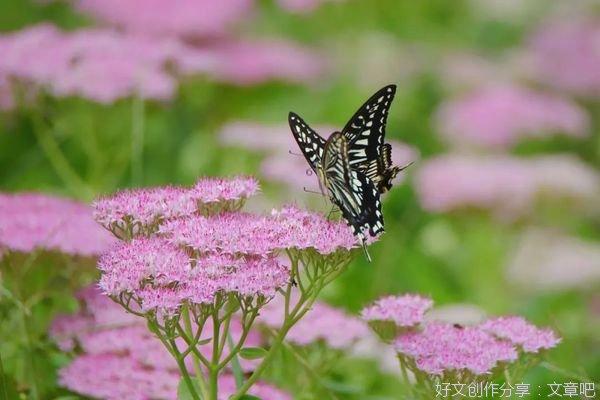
388, 316
521, 333
443, 348
500, 116
235, 233
405, 311
187, 18
159, 276
140, 211
565, 54
32, 221
508, 186
539, 260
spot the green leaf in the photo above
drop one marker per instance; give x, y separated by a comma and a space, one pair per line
183, 392
204, 341
252, 353
249, 397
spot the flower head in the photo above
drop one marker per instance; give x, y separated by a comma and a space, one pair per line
143, 209
187, 18
521, 333
508, 186
129, 266
235, 233
499, 116
405, 311
161, 276
30, 221
440, 348
565, 54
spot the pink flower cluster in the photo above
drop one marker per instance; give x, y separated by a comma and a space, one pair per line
235, 233
508, 186
565, 55
521, 333
437, 347
146, 208
323, 323
160, 276
405, 311
540, 257
443, 347
105, 65
500, 116
121, 359
190, 19
31, 221
303, 6
100, 65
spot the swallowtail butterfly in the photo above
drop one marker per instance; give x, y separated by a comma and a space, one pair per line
349, 189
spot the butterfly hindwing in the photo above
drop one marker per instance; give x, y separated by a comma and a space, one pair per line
351, 191
309, 141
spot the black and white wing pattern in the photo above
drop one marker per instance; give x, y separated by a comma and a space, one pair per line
309, 141
352, 191
365, 133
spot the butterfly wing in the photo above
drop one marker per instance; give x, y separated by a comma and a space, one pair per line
309, 141
352, 191
365, 133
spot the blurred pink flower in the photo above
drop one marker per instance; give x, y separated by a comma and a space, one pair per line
148, 206
253, 62
97, 64
500, 116
336, 328
508, 186
566, 54
185, 18
115, 377
541, 256
521, 333
235, 233
405, 311
440, 348
126, 334
31, 221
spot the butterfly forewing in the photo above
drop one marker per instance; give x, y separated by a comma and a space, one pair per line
366, 136
309, 141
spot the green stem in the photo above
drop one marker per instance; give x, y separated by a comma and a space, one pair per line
137, 140
214, 367
3, 390
307, 367
59, 162
195, 361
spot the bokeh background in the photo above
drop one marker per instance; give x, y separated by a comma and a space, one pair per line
498, 106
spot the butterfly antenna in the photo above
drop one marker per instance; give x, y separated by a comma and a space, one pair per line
406, 166
294, 154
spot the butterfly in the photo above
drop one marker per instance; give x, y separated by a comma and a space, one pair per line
365, 133
350, 190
